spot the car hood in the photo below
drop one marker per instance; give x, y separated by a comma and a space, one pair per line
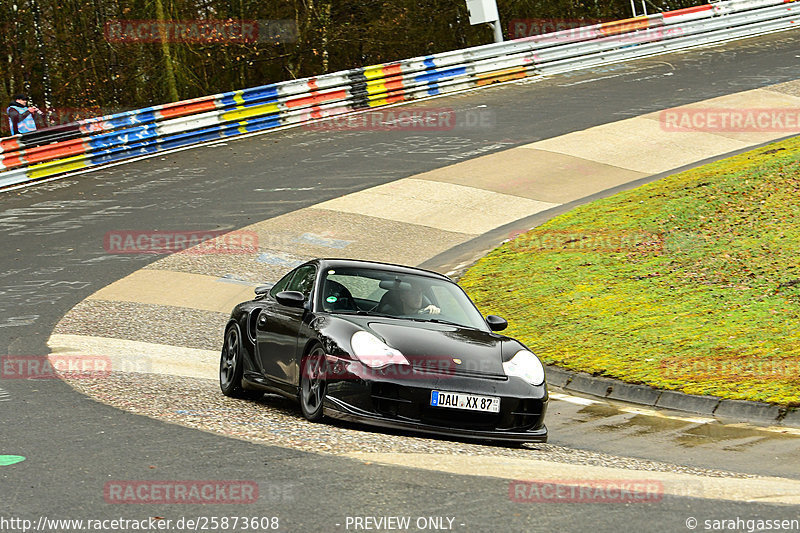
439, 348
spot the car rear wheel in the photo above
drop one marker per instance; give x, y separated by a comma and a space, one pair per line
231, 366
312, 384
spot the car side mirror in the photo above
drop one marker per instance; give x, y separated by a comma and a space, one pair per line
262, 289
496, 323
291, 298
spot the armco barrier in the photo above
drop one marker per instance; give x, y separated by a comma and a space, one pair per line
103, 140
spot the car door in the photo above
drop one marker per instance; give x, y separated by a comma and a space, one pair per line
277, 330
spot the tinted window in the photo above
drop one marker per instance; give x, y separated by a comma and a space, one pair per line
281, 285
303, 280
395, 294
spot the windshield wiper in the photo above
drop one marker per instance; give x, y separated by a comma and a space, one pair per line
361, 312
440, 321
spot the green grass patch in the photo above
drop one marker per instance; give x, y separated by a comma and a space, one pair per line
690, 283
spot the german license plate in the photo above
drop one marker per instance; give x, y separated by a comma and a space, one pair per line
459, 400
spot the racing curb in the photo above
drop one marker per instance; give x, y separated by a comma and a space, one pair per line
613, 389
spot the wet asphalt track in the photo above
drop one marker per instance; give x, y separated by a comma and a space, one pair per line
52, 239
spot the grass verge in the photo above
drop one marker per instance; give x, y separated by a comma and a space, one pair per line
690, 283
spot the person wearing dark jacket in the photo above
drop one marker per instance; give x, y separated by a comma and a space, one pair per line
20, 116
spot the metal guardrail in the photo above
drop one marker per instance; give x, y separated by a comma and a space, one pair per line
103, 140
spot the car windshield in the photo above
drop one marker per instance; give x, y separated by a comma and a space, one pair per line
365, 291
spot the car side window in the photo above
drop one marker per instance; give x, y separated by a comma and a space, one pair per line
303, 280
281, 285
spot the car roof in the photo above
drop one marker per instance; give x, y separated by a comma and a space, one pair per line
337, 263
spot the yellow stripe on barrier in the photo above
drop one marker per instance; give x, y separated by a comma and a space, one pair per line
375, 71
237, 97
50, 168
376, 87
242, 127
248, 112
498, 76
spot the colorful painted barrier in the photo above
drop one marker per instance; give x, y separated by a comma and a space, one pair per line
103, 140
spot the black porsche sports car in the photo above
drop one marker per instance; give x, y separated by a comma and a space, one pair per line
385, 345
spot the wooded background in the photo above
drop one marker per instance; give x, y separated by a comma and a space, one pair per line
59, 51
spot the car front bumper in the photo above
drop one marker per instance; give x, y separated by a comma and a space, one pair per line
390, 400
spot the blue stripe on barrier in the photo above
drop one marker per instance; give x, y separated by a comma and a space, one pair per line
191, 137
260, 94
129, 135
124, 152
251, 97
252, 125
435, 75
140, 117
228, 101
262, 123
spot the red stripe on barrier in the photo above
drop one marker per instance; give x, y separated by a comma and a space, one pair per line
13, 160
183, 109
394, 85
392, 70
689, 10
9, 145
54, 151
317, 98
623, 26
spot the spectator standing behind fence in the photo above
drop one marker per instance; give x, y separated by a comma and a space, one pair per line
20, 116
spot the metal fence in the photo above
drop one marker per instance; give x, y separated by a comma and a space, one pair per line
103, 140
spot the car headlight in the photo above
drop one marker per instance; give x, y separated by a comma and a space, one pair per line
373, 352
526, 366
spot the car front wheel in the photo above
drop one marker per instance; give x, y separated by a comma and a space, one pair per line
231, 366
312, 384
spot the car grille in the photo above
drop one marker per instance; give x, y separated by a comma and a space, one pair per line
458, 418
410, 405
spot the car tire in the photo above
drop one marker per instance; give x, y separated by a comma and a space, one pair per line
231, 366
312, 384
